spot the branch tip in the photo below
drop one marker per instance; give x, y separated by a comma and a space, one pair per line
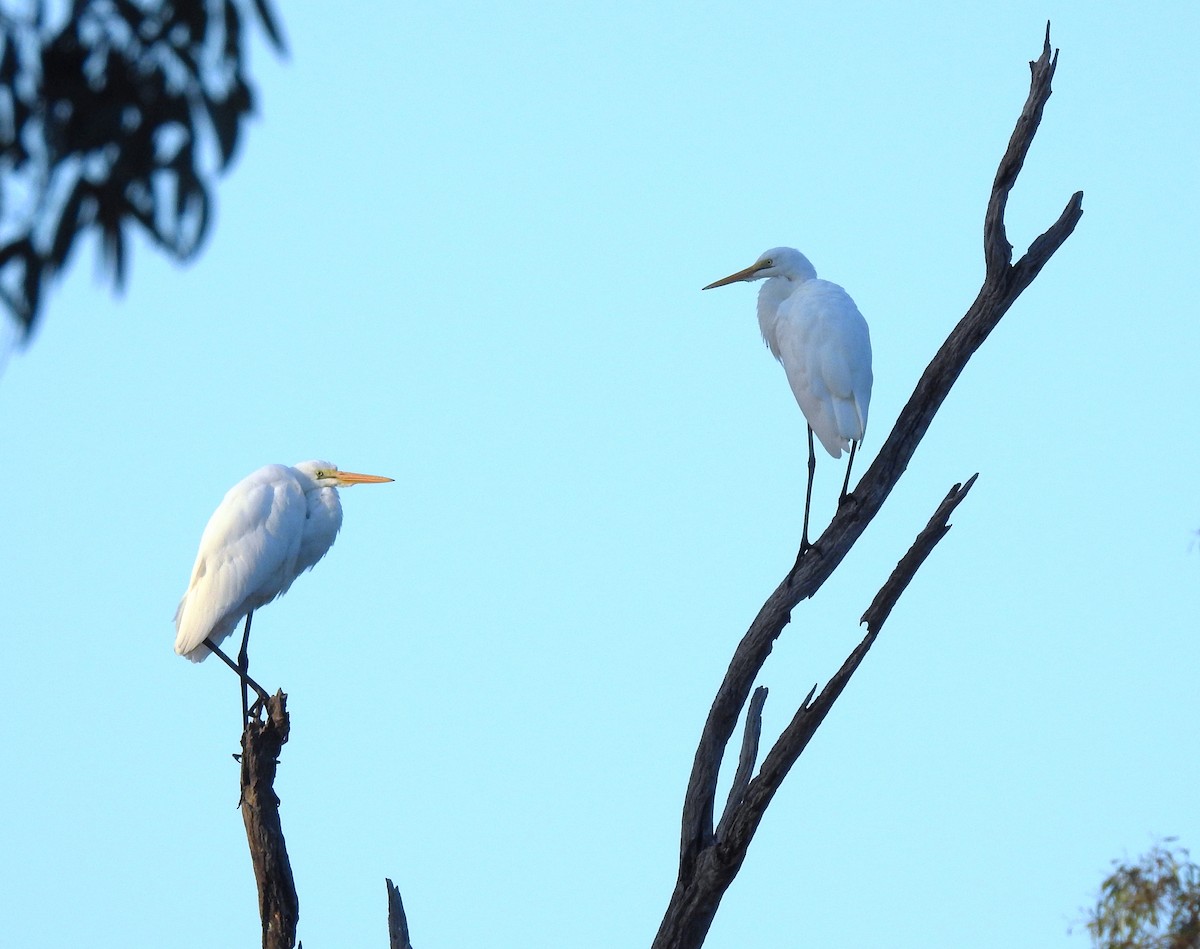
746, 760
939, 524
397, 922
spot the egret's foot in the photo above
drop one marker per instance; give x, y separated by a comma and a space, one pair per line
805, 547
847, 496
254, 713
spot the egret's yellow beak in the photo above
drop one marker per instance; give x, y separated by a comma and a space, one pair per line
351, 477
746, 274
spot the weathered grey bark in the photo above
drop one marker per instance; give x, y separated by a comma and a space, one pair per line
278, 904
709, 859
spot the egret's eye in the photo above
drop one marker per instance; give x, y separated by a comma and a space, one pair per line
768, 262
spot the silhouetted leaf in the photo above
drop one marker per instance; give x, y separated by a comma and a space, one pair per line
113, 243
31, 287
68, 225
191, 206
194, 18
267, 19
233, 31
226, 123
198, 210
135, 16
13, 249
241, 96
8, 64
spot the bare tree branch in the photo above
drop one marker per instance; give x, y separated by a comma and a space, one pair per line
922, 547
397, 922
997, 251
278, 904
748, 756
692, 910
706, 864
794, 739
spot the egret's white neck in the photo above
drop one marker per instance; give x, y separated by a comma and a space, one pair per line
775, 290
770, 296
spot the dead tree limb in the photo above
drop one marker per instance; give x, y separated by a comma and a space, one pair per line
745, 818
397, 922
278, 904
748, 755
698, 889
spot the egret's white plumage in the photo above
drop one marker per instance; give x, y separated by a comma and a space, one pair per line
271, 527
814, 329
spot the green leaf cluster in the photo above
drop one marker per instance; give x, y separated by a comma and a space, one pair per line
1151, 904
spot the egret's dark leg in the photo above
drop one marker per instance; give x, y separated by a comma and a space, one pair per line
246, 680
812, 470
244, 666
849, 464
805, 546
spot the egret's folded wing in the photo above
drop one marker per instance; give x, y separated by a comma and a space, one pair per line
825, 349
247, 558
847, 374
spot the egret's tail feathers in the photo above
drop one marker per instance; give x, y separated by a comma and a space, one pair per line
846, 425
199, 654
834, 444
830, 428
191, 630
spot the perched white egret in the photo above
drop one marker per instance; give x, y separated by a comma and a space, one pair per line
271, 527
814, 329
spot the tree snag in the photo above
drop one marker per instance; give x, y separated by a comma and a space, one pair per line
397, 922
278, 904
709, 858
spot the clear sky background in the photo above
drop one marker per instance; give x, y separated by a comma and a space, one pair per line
464, 247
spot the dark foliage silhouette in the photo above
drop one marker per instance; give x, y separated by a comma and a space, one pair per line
115, 116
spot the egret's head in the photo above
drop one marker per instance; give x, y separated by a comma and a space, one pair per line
786, 262
327, 475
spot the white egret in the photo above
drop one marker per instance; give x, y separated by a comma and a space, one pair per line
814, 329
271, 527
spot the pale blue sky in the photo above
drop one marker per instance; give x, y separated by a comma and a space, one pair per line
463, 247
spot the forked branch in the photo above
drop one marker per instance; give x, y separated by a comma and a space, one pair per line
795, 737
708, 859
